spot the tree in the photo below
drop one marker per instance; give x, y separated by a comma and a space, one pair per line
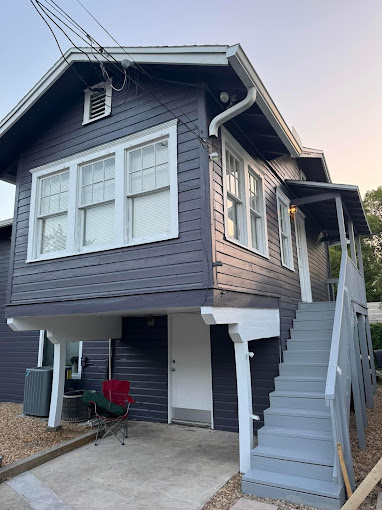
371, 247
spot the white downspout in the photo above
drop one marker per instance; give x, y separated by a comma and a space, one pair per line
233, 111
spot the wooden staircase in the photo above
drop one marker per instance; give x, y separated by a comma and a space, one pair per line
294, 458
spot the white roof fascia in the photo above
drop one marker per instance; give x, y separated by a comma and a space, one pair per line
6, 223
186, 55
219, 55
244, 69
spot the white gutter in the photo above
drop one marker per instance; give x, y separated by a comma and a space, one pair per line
233, 111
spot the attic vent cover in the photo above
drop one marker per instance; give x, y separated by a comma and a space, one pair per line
97, 102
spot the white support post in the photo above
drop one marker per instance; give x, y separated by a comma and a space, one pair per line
341, 224
352, 242
359, 254
54, 422
244, 397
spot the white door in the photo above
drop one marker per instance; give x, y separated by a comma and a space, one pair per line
190, 369
303, 260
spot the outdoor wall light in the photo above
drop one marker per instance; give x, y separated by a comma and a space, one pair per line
293, 210
224, 97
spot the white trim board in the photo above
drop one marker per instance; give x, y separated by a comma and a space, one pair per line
181, 55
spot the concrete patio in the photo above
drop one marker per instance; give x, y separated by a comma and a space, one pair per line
161, 466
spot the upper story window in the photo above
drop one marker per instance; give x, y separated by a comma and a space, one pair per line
97, 102
245, 213
285, 231
119, 194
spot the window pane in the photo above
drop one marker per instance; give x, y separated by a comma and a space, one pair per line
148, 178
135, 161
148, 157
98, 174
161, 155
285, 250
65, 181
54, 203
64, 197
99, 225
162, 175
135, 182
45, 187
109, 189
255, 225
44, 206
151, 214
87, 175
98, 192
232, 219
54, 234
109, 168
86, 198
55, 184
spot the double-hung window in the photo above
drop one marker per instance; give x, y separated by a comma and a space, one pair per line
244, 204
285, 231
149, 191
119, 194
97, 202
52, 215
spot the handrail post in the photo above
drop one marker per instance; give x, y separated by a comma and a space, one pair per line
352, 242
359, 254
341, 224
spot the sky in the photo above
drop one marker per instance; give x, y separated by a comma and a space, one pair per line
319, 59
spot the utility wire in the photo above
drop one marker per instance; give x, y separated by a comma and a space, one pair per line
103, 51
58, 44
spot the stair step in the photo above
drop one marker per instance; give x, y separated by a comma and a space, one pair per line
309, 457
298, 399
320, 315
322, 435
304, 369
295, 383
294, 483
313, 325
295, 356
301, 334
317, 305
310, 419
308, 345
268, 462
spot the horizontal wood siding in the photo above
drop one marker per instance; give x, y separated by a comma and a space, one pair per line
264, 368
167, 266
18, 351
140, 357
95, 371
243, 271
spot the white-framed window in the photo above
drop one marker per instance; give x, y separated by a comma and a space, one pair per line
285, 231
52, 213
97, 102
244, 203
72, 359
119, 194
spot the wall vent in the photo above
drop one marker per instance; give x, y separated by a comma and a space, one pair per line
97, 102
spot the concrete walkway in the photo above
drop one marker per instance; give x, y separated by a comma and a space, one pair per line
167, 467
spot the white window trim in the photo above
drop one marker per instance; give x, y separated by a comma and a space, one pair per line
40, 357
117, 148
281, 197
108, 94
229, 142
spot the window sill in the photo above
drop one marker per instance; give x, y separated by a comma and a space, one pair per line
288, 267
248, 248
99, 249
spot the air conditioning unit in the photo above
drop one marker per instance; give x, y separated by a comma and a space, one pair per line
37, 391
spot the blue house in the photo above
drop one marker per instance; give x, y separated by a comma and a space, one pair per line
170, 229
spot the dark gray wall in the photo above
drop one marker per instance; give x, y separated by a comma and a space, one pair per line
245, 272
264, 368
93, 281
18, 351
140, 356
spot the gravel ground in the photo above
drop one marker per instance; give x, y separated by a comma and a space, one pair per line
21, 436
364, 461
